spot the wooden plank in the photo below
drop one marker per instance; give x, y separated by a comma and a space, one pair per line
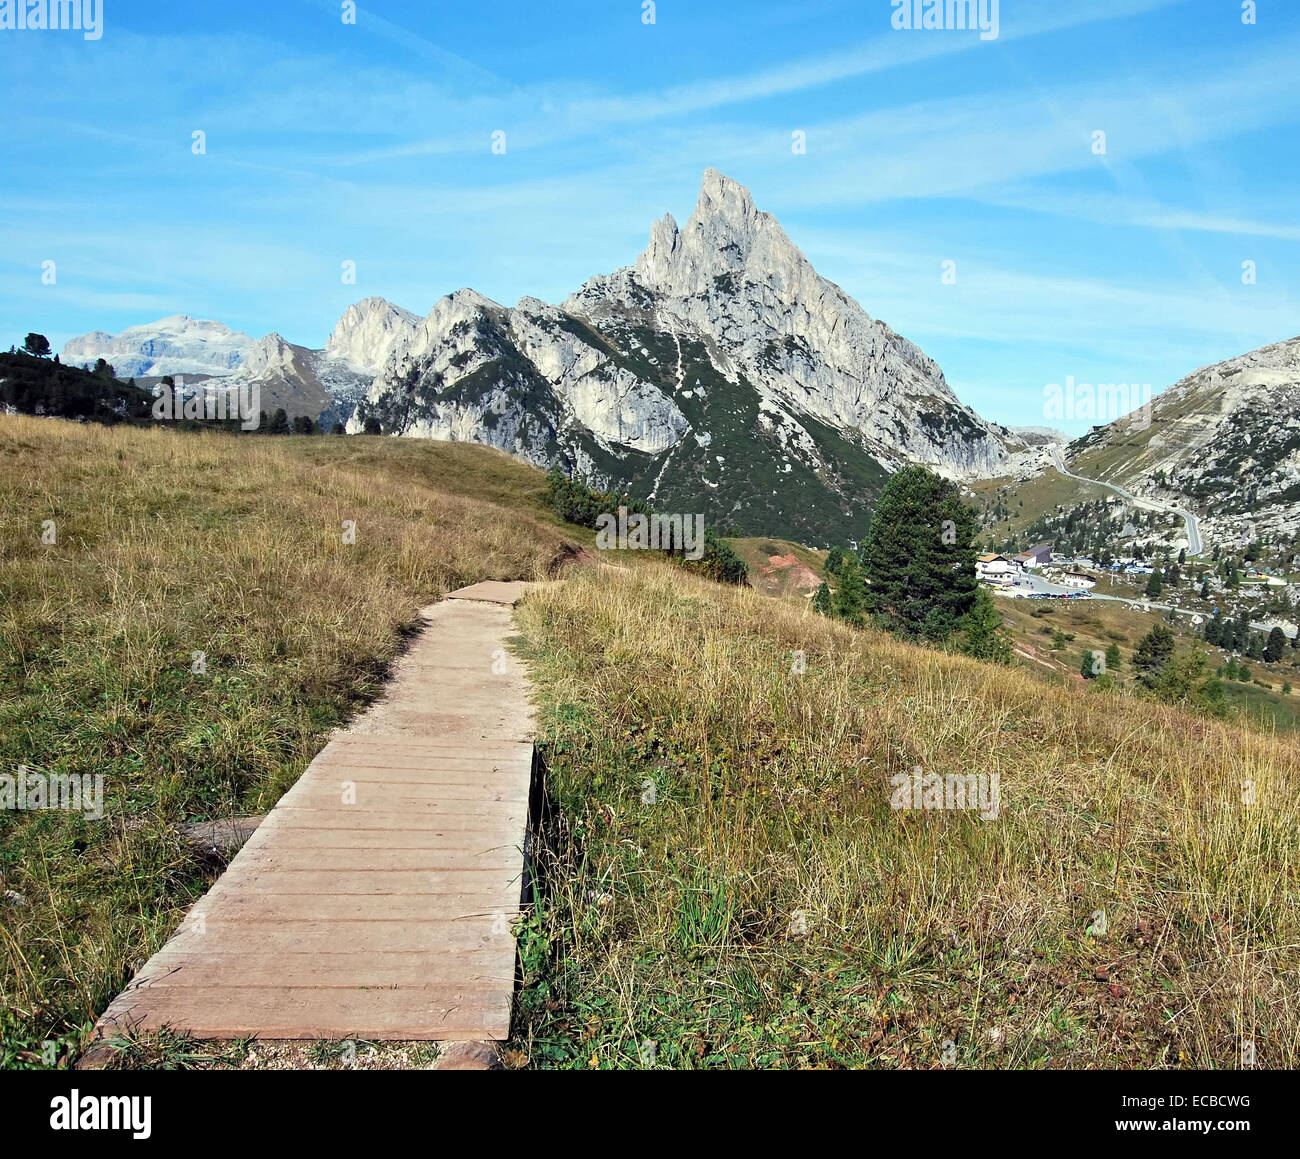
289, 837
397, 794
305, 1012
239, 906
446, 769
434, 746
276, 935
345, 881
387, 916
386, 860
389, 969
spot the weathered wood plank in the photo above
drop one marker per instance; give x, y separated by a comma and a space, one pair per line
375, 899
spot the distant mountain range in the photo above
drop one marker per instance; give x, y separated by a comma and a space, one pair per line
720, 369
721, 372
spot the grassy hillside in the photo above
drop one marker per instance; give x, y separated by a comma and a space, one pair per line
169, 544
778, 567
723, 881
729, 887
1009, 507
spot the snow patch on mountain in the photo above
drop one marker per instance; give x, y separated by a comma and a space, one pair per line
177, 344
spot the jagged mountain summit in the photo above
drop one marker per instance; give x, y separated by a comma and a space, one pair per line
718, 373
720, 369
1224, 443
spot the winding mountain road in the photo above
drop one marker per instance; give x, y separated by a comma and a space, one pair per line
1193, 526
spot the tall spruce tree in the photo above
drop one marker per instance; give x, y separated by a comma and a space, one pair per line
920, 557
1276, 646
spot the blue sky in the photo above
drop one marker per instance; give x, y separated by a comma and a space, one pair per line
329, 142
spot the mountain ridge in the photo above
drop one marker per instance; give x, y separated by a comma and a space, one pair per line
1223, 441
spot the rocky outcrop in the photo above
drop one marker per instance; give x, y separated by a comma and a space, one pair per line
1224, 443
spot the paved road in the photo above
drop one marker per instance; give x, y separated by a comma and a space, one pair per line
1193, 527
1035, 583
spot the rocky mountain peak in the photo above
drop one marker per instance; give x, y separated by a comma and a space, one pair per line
725, 213
725, 234
367, 332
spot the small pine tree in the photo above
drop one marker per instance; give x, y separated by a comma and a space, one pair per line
1153, 653
985, 638
1112, 657
1276, 646
849, 602
822, 600
373, 426
1154, 587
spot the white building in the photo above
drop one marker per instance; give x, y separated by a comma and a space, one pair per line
996, 569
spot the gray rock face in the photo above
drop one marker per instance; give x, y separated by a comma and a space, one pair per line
474, 370
365, 336
1224, 443
719, 364
732, 277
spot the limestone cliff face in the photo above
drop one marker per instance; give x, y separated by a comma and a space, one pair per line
720, 370
732, 277
1224, 443
719, 365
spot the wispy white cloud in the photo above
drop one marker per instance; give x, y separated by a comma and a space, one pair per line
1117, 209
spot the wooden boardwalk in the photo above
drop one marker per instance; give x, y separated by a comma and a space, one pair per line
375, 900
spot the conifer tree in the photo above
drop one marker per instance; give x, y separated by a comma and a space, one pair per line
920, 557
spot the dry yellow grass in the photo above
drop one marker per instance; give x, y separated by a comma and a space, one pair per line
170, 544
677, 919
